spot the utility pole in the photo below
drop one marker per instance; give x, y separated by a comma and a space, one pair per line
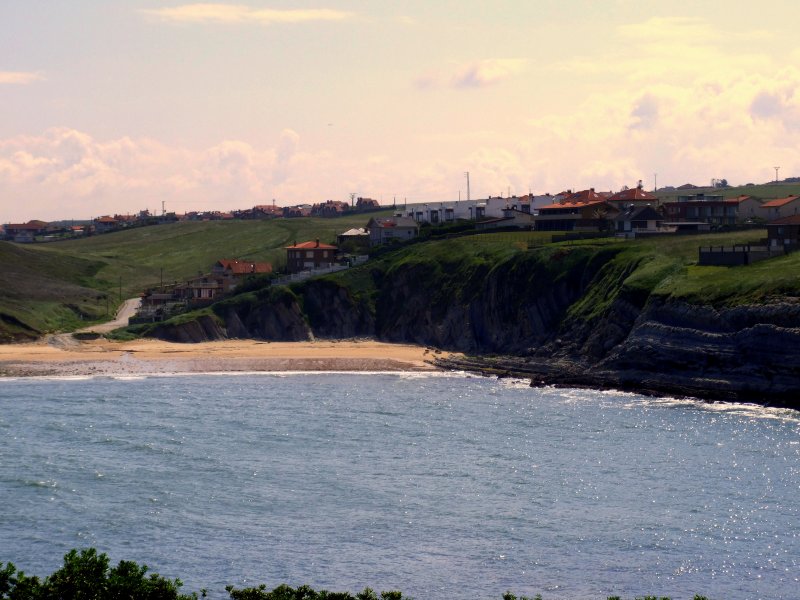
776, 173
655, 182
352, 199
163, 208
467, 174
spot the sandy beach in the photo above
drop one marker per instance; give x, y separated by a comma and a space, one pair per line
60, 355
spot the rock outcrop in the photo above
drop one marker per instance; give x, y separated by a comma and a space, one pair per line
567, 319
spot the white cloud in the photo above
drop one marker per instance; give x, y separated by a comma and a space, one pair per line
19, 77
240, 13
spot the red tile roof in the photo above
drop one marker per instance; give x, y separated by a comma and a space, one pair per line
311, 245
790, 220
636, 194
242, 267
779, 202
584, 196
568, 204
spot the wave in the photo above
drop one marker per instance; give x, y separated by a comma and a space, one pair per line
743, 409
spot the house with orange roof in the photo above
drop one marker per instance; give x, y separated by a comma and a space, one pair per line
236, 268
780, 207
589, 216
309, 255
25, 232
105, 224
633, 197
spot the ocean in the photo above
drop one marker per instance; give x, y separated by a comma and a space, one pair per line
440, 485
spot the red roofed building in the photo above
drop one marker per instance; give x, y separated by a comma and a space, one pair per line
240, 268
309, 255
25, 232
781, 207
588, 216
784, 233
367, 204
330, 208
263, 211
105, 223
633, 197
584, 196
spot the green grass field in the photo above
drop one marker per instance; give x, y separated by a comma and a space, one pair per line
765, 191
66, 285
62, 286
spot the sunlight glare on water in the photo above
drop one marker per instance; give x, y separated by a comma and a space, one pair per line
426, 483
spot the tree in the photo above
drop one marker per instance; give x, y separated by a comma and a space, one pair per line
86, 575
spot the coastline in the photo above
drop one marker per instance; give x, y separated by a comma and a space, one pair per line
567, 373
63, 355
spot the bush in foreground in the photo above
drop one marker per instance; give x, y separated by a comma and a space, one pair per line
87, 575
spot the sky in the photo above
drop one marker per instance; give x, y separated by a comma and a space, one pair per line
118, 106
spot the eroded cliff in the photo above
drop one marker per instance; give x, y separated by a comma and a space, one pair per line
567, 315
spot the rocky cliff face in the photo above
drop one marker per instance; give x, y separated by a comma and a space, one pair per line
572, 324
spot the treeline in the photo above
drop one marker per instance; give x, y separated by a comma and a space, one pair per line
87, 575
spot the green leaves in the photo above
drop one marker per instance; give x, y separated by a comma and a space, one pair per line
86, 575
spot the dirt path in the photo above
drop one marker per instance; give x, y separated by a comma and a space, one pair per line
125, 312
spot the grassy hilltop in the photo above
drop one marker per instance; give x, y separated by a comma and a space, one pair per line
66, 285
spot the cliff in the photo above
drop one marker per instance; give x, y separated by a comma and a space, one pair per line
587, 315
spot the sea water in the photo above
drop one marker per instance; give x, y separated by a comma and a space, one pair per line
441, 485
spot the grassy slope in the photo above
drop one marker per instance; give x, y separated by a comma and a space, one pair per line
664, 266
41, 294
40, 281
766, 191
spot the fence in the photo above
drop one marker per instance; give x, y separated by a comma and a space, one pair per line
744, 254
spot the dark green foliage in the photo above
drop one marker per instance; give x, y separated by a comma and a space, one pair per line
510, 596
86, 575
284, 592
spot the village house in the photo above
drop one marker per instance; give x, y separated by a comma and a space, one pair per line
300, 210
354, 240
330, 208
25, 233
105, 224
633, 197
747, 208
436, 213
388, 229
784, 233
365, 204
638, 220
225, 276
586, 210
237, 269
702, 208
511, 218
309, 255
780, 207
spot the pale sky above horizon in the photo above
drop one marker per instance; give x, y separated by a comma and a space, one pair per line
115, 106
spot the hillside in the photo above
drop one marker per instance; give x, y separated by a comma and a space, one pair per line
636, 314
64, 285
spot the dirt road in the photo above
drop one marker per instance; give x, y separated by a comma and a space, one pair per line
125, 312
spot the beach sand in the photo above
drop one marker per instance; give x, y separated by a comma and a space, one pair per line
60, 355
